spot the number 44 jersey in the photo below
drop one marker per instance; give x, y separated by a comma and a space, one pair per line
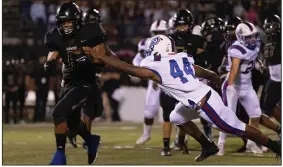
247, 57
177, 77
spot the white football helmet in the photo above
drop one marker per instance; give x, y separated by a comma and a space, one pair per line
158, 26
160, 45
248, 35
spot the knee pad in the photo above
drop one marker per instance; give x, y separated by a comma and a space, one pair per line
150, 112
256, 113
177, 118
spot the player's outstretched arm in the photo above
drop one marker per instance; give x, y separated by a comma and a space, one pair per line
207, 74
124, 67
234, 70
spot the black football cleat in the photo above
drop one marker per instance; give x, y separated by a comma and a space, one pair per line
92, 148
207, 152
166, 152
184, 149
73, 140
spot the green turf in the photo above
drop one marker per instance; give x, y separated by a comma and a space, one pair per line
34, 144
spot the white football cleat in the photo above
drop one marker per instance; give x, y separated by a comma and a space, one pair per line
252, 147
221, 149
142, 140
264, 149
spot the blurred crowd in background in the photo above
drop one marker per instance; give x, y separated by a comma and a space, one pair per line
25, 23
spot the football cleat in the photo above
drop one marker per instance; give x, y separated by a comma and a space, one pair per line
166, 152
93, 144
73, 140
252, 147
59, 158
207, 152
221, 149
143, 139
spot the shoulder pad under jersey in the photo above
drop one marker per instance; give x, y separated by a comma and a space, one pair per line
93, 34
237, 50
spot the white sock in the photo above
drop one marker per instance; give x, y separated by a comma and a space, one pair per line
147, 130
222, 138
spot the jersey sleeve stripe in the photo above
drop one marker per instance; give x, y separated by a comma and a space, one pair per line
238, 47
214, 117
154, 72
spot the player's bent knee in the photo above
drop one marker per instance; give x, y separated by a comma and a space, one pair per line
150, 113
255, 114
177, 118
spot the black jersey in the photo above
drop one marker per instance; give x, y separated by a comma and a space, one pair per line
272, 52
215, 51
189, 43
77, 66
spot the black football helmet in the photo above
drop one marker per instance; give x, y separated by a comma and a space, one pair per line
68, 12
211, 26
230, 27
91, 16
272, 26
183, 17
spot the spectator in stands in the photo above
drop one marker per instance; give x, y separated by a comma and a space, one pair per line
238, 9
41, 80
251, 15
51, 17
39, 18
10, 87
21, 93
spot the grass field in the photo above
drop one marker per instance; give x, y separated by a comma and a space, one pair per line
34, 145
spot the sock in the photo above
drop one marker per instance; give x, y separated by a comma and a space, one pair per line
147, 130
181, 140
207, 130
166, 142
222, 138
204, 142
83, 132
273, 145
278, 129
60, 141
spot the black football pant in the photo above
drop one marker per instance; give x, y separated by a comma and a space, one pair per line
74, 98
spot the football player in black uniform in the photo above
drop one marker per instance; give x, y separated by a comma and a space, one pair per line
92, 16
79, 82
272, 54
212, 31
193, 45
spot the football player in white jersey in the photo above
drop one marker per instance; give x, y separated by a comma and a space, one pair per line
242, 55
176, 76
